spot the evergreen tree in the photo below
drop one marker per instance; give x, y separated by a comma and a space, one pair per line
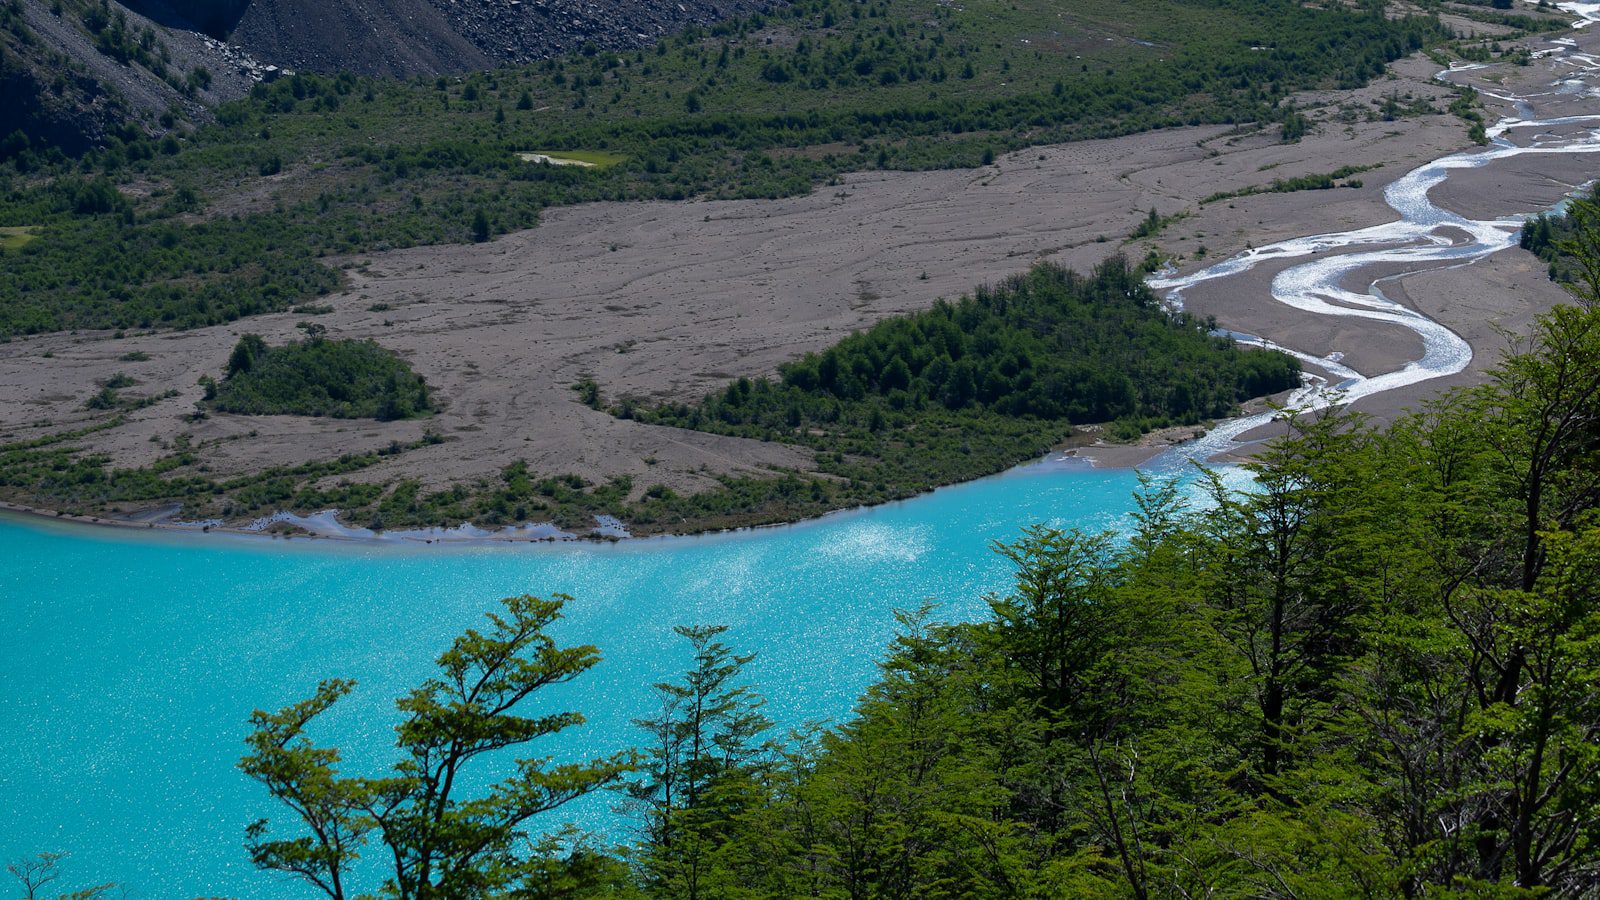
437, 842
703, 769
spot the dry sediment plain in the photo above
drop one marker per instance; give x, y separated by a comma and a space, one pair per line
670, 300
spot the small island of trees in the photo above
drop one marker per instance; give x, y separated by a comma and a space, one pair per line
343, 379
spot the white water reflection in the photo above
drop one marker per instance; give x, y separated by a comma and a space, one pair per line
1426, 237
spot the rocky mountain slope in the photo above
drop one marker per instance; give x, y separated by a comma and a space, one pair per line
214, 17
74, 72
371, 37
411, 37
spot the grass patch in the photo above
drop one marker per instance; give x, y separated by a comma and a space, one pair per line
585, 159
15, 237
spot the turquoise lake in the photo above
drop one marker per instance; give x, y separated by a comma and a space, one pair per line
131, 660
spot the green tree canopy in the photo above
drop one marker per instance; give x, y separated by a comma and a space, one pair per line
437, 841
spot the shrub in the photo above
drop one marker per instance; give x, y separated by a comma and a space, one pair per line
345, 379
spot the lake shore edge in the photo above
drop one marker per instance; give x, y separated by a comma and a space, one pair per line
1085, 448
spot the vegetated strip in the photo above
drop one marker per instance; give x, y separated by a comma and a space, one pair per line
960, 391
1319, 182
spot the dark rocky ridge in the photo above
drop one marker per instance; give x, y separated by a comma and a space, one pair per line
213, 17
369, 37
413, 37
62, 90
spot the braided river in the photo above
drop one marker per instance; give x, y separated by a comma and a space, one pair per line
130, 660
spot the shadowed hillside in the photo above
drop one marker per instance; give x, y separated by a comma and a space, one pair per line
382, 37
76, 72
214, 17
411, 37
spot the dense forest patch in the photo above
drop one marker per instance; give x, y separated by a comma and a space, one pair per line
230, 220
344, 379
1048, 345
967, 389
1566, 240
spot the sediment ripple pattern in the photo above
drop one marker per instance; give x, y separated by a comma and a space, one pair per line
1425, 237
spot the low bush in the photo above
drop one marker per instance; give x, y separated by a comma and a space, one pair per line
345, 379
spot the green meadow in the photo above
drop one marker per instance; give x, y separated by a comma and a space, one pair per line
589, 159
17, 236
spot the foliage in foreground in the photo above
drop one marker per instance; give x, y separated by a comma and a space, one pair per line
439, 843
37, 874
1376, 673
345, 379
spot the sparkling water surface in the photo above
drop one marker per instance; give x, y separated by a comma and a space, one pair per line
131, 660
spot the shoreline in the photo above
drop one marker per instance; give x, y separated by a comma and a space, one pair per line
484, 438
1096, 455
1085, 448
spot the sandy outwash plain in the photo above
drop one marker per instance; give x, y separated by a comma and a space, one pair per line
670, 300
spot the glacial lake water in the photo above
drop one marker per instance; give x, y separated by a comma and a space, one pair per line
131, 660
